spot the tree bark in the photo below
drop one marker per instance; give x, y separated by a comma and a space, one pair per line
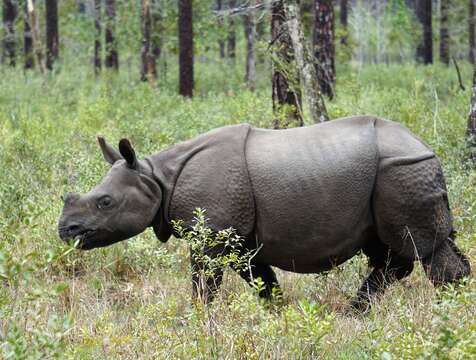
185, 48
112, 56
81, 7
344, 20
250, 33
471, 25
444, 32
151, 39
231, 42
52, 37
31, 13
305, 63
424, 51
471, 127
97, 37
157, 36
221, 42
285, 83
324, 49
27, 40
149, 68
9, 42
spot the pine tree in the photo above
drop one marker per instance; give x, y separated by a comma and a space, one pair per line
112, 55
444, 32
286, 93
424, 51
52, 36
324, 49
97, 36
9, 43
185, 27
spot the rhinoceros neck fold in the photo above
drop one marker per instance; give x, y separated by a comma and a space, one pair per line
166, 167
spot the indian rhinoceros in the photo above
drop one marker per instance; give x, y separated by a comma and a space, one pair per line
308, 198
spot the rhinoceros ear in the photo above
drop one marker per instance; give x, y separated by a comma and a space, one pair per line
110, 155
128, 153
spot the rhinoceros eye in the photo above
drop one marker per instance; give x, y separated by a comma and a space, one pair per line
104, 202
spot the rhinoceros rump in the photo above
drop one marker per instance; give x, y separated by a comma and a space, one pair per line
309, 198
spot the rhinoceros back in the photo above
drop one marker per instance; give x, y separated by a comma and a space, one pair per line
312, 188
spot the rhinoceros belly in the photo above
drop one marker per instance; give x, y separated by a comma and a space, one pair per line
312, 188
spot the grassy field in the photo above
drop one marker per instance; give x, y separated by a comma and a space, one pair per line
132, 300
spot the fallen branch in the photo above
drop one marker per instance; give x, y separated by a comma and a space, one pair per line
459, 75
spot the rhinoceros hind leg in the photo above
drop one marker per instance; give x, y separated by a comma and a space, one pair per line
446, 264
267, 276
388, 268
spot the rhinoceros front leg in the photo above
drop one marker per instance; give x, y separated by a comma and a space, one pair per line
269, 282
388, 269
206, 279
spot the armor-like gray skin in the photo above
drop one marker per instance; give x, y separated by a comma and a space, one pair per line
308, 198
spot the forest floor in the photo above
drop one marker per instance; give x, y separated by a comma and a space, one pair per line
132, 300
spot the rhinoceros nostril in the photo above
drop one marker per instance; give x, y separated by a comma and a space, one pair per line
73, 228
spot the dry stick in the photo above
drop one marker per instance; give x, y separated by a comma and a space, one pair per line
459, 75
243, 9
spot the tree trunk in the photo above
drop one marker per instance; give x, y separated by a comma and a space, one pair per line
157, 35
112, 56
31, 13
9, 43
185, 48
151, 39
81, 7
444, 32
250, 33
148, 69
52, 38
471, 25
97, 37
305, 63
343, 20
424, 51
231, 43
324, 50
471, 128
286, 93
27, 40
221, 42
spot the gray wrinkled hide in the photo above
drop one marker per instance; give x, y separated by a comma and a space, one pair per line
310, 196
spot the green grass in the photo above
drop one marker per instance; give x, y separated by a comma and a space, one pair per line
133, 299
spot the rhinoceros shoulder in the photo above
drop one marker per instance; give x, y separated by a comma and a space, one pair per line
210, 172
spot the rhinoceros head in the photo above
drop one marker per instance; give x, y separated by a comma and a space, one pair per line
121, 206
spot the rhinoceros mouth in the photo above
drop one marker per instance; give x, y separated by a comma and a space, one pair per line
78, 238
83, 238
